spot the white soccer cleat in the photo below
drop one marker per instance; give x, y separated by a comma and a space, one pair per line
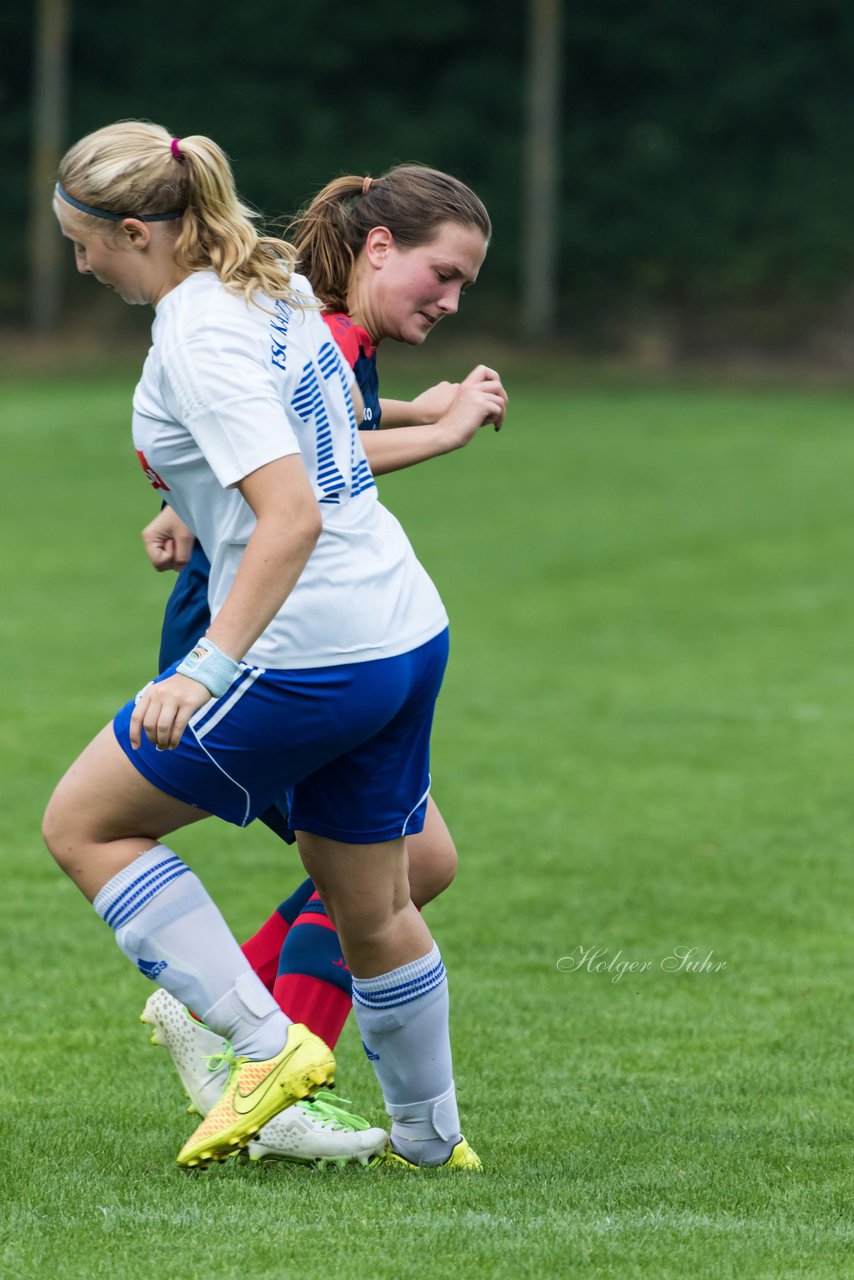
309, 1132
200, 1056
319, 1131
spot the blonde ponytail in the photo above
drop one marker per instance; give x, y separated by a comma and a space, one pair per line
135, 168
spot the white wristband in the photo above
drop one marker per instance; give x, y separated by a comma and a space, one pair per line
210, 666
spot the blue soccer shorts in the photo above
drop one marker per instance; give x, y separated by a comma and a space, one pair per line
350, 743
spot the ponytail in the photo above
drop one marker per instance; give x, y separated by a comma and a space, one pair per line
137, 169
411, 200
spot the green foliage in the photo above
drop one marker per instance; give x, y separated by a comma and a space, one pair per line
704, 148
707, 148
644, 742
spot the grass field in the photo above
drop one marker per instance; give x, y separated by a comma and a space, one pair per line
644, 745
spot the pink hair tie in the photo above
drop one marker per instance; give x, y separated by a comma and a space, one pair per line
176, 151
366, 186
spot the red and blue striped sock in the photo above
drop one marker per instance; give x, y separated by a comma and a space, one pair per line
263, 949
313, 982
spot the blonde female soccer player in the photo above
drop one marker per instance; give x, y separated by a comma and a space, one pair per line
318, 673
388, 257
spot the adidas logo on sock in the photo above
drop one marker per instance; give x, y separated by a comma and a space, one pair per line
151, 968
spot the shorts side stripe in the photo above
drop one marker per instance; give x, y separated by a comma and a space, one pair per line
417, 806
208, 718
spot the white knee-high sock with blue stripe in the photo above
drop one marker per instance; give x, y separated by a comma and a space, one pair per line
170, 928
403, 1021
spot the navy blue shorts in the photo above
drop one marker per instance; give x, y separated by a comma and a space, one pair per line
188, 614
351, 743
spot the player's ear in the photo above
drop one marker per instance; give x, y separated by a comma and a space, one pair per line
378, 244
135, 234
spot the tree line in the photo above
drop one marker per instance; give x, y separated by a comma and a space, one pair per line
703, 150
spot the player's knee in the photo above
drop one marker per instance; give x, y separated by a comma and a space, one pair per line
366, 918
370, 917
442, 872
59, 831
53, 828
368, 933
432, 867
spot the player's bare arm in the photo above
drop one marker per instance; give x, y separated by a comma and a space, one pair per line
427, 407
288, 526
480, 400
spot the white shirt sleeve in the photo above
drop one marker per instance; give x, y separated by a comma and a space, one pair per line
216, 384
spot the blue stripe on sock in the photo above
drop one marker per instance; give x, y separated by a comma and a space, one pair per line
127, 890
127, 903
314, 909
153, 891
403, 993
292, 906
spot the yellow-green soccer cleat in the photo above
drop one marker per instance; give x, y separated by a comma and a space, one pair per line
462, 1157
257, 1091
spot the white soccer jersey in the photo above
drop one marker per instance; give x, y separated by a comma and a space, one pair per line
229, 386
